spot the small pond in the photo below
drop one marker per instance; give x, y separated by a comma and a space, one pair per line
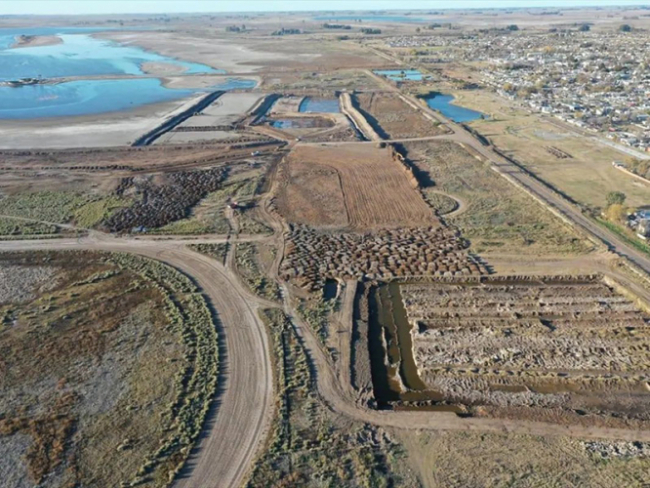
320, 105
444, 104
401, 75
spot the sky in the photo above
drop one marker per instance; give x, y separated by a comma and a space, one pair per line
67, 7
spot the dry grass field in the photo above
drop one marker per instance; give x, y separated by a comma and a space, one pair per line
107, 365
480, 460
586, 176
311, 446
359, 187
497, 216
392, 118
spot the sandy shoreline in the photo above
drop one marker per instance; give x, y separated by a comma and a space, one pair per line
36, 41
99, 130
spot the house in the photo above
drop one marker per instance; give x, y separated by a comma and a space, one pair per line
643, 230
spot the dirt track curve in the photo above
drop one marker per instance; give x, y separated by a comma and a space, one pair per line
243, 406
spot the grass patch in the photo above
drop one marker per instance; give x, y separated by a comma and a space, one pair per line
92, 213
50, 206
13, 227
309, 446
216, 251
247, 259
317, 313
626, 235
442, 204
499, 216
108, 360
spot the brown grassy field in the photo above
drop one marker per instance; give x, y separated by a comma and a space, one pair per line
587, 176
395, 118
360, 187
99, 372
497, 216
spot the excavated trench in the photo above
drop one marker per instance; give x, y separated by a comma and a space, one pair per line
395, 378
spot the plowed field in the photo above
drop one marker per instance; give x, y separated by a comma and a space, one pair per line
359, 187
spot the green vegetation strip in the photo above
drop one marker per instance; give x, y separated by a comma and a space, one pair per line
246, 258
195, 386
637, 244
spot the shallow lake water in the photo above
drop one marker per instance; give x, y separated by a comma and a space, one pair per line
82, 55
78, 55
89, 97
443, 103
320, 105
400, 75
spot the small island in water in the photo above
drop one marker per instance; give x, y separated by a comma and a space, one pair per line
36, 41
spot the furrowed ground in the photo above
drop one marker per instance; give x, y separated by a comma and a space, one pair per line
361, 187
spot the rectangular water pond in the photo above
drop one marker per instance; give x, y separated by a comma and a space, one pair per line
320, 105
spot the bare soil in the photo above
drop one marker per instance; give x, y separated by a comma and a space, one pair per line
393, 118
347, 186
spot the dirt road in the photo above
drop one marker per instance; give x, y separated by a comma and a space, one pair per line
243, 406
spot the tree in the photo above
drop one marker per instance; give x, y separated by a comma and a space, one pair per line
513, 27
616, 213
625, 28
616, 198
584, 28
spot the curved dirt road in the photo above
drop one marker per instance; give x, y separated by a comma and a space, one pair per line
244, 403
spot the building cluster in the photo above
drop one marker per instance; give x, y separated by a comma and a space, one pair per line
595, 80
639, 221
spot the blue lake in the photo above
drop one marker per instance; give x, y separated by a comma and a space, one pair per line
319, 105
400, 75
78, 55
93, 97
82, 55
443, 103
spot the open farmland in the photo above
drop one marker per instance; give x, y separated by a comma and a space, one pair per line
562, 348
357, 187
392, 118
498, 217
107, 365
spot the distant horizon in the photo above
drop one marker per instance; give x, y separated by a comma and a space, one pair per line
15, 8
